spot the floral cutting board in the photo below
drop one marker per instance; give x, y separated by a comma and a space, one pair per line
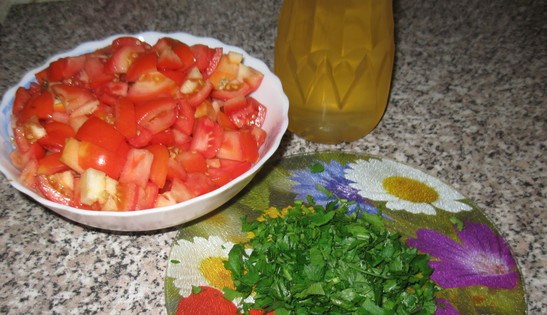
471, 262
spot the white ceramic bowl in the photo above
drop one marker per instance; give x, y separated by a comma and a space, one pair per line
270, 93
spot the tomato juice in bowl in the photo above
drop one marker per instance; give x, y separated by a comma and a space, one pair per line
223, 99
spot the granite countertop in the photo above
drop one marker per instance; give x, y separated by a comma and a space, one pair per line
468, 106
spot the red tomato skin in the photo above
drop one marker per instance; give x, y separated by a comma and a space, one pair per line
159, 167
165, 137
124, 117
142, 138
239, 146
206, 58
65, 68
145, 63
50, 164
40, 105
22, 96
192, 161
101, 133
227, 171
57, 133
156, 115
128, 41
249, 147
94, 156
184, 53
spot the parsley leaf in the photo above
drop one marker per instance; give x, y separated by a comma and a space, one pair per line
320, 260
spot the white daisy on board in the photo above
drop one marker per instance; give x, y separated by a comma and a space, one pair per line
403, 187
200, 262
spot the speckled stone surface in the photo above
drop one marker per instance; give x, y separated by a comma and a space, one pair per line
468, 106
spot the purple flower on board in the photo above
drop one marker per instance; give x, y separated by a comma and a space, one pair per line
331, 178
481, 258
445, 308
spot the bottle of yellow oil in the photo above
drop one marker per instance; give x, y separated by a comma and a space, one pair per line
335, 61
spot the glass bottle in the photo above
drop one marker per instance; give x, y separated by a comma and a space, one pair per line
335, 61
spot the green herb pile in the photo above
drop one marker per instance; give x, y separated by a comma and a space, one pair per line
319, 260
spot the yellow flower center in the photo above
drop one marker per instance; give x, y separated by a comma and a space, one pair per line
410, 189
213, 270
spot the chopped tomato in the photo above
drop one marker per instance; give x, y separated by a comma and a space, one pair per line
239, 146
159, 167
137, 167
208, 137
142, 138
133, 126
206, 109
185, 118
185, 54
207, 59
22, 96
50, 164
124, 117
200, 94
47, 185
180, 191
123, 57
56, 135
245, 111
165, 137
73, 97
101, 133
227, 171
248, 81
65, 68
175, 170
192, 161
169, 60
81, 155
143, 64
199, 184
147, 196
151, 85
96, 72
259, 134
128, 41
156, 115
224, 74
127, 196
39, 105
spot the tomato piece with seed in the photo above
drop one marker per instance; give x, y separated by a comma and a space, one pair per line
207, 138
151, 85
156, 115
